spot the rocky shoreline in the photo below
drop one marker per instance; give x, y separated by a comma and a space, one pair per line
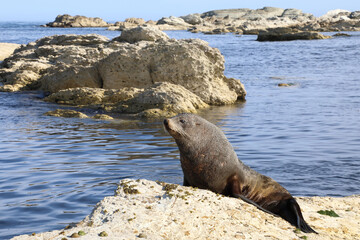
158, 210
238, 21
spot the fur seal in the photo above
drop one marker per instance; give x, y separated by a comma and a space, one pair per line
209, 161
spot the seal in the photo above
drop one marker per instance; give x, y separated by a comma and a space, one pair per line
209, 161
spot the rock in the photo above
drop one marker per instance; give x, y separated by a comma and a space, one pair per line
287, 84
77, 21
276, 36
40, 64
355, 15
92, 97
137, 21
341, 35
91, 71
6, 49
103, 117
172, 23
66, 113
190, 63
71, 77
142, 33
335, 14
151, 209
231, 13
169, 98
192, 19
130, 23
251, 21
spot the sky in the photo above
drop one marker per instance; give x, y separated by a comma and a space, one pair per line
117, 10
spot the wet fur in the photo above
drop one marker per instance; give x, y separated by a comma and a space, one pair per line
209, 161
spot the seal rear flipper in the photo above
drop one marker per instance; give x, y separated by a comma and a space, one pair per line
245, 199
290, 211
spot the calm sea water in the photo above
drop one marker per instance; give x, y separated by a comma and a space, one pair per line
307, 137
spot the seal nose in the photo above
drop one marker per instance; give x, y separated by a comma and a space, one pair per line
166, 122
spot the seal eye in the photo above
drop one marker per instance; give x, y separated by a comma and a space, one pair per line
182, 121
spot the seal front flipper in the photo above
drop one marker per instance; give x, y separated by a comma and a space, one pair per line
290, 211
186, 183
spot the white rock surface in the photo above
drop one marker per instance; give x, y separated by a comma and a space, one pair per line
6, 49
150, 210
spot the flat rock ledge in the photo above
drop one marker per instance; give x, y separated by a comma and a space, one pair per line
276, 35
158, 210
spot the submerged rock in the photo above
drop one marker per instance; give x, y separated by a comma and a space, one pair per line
66, 113
273, 35
160, 210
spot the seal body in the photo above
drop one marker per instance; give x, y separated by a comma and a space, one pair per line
209, 161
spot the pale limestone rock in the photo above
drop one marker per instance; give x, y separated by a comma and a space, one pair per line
66, 113
6, 49
87, 96
142, 33
188, 72
137, 21
190, 63
67, 57
160, 210
77, 21
166, 97
172, 21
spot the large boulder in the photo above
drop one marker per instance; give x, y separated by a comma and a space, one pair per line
67, 20
146, 73
191, 63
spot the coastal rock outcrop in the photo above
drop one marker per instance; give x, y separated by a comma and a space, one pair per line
152, 74
159, 210
67, 20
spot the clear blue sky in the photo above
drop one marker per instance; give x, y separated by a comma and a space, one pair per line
47, 10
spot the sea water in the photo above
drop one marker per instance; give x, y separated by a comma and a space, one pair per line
307, 136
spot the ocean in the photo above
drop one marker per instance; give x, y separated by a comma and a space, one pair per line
306, 137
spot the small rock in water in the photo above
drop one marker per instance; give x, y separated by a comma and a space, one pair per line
103, 117
67, 113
